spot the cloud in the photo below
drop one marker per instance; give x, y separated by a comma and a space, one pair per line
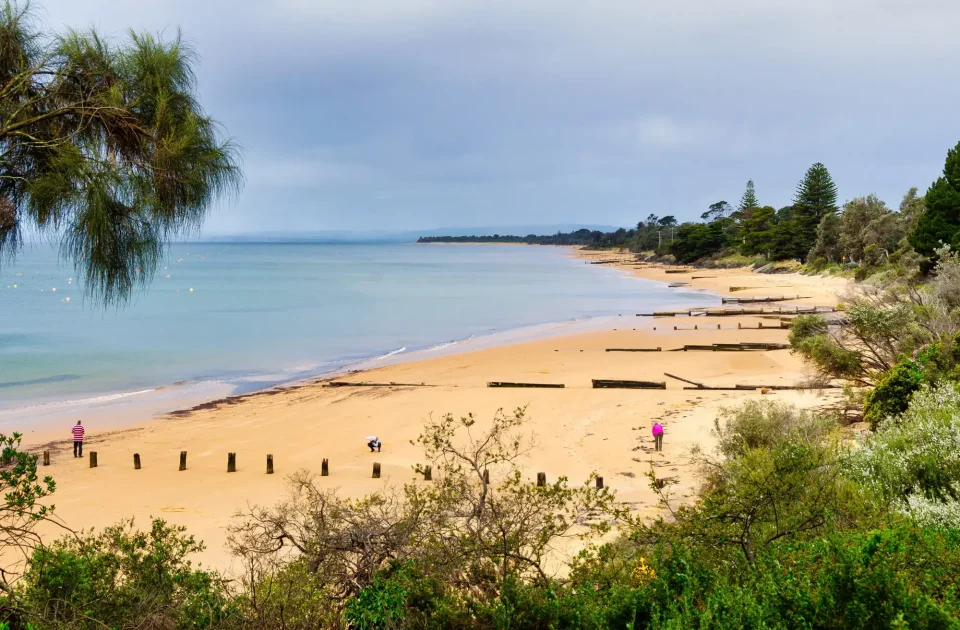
421, 112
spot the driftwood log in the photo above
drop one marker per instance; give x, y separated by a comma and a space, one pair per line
618, 384
538, 385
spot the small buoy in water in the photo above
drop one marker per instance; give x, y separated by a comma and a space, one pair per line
191, 289
67, 300
168, 275
14, 286
54, 289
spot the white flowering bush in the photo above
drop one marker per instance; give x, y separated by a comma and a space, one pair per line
913, 461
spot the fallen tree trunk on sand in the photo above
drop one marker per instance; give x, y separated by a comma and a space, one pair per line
362, 384
657, 349
680, 378
615, 384
740, 388
538, 385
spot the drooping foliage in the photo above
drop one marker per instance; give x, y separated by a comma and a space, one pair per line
104, 147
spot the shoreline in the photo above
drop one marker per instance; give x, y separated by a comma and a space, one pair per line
143, 402
579, 429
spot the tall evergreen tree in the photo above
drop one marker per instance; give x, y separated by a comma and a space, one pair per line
749, 199
940, 223
816, 197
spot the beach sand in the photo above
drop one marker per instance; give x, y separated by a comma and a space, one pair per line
578, 429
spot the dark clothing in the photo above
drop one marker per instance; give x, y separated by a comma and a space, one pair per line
78, 448
658, 442
374, 444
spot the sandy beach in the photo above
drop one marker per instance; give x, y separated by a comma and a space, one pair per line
578, 429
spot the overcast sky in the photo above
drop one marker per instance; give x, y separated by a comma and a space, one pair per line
396, 114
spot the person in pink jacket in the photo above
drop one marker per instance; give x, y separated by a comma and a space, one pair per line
657, 436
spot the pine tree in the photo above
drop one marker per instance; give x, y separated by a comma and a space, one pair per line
816, 197
749, 199
940, 223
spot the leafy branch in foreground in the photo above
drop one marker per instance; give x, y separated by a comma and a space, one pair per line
105, 147
478, 526
22, 508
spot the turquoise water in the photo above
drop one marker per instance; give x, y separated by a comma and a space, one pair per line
259, 314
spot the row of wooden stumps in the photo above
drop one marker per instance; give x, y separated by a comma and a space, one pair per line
324, 467
231, 462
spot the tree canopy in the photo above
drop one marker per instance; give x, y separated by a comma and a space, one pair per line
104, 148
816, 197
940, 223
749, 199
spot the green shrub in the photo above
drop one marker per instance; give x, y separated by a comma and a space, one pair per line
914, 463
124, 578
891, 396
765, 424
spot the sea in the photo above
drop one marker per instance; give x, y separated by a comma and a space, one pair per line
228, 318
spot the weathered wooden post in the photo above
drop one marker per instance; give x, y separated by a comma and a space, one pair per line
46, 458
739, 325
324, 469
231, 462
136, 461
486, 476
541, 479
269, 464
93, 459
599, 483
183, 460
376, 470
428, 473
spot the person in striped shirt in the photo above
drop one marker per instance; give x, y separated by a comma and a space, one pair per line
78, 439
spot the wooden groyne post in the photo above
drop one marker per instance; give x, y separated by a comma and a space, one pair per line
486, 476
269, 464
599, 483
183, 460
93, 459
376, 470
428, 473
46, 458
231, 462
324, 468
541, 479
136, 461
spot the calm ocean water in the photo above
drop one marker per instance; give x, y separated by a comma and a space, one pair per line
237, 317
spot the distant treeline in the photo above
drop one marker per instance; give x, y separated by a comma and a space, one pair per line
589, 238
814, 229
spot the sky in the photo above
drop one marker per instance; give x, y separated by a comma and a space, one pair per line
407, 114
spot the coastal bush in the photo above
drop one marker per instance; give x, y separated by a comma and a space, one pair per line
22, 507
792, 490
912, 461
765, 424
478, 526
123, 578
892, 394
